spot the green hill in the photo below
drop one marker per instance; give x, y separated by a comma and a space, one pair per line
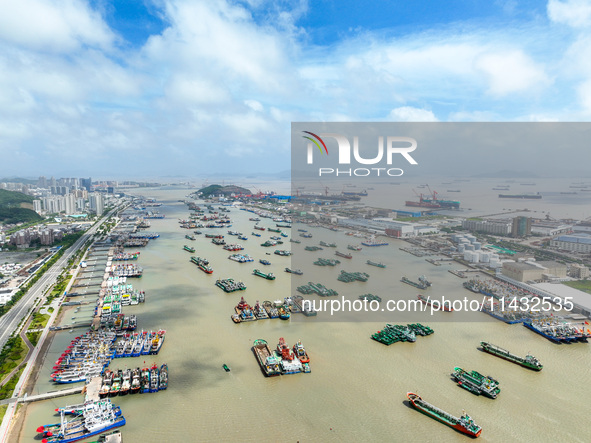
13, 199
224, 190
12, 210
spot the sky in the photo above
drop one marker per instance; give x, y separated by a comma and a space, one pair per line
189, 88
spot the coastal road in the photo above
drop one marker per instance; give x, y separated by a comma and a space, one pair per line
10, 321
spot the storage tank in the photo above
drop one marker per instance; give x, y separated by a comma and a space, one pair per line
485, 257
477, 246
469, 247
461, 248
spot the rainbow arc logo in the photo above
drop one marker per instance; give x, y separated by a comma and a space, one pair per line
315, 142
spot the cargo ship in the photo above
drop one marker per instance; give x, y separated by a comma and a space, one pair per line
446, 307
527, 196
476, 383
529, 361
294, 271
463, 424
270, 365
342, 254
373, 263
189, 249
269, 276
202, 264
373, 242
419, 285
354, 247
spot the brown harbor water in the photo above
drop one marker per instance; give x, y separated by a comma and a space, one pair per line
357, 388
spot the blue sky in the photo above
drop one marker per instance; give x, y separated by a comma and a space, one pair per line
191, 87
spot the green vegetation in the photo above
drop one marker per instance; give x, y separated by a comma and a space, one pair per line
34, 337
12, 355
6, 391
19, 215
14, 199
39, 321
581, 285
3, 409
12, 210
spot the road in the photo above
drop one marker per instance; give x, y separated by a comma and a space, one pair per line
10, 320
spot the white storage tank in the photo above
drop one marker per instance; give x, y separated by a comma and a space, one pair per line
461, 248
485, 257
469, 247
477, 246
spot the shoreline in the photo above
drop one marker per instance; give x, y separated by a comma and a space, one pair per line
18, 421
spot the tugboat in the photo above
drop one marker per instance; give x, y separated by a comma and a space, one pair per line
300, 352
284, 313
463, 424
529, 361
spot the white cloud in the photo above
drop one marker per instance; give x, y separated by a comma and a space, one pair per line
53, 25
574, 13
410, 114
510, 72
254, 105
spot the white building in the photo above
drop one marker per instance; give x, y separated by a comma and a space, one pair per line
97, 203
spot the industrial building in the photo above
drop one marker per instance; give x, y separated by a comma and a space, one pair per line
389, 227
580, 242
532, 270
498, 227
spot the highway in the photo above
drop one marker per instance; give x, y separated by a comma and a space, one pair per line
10, 320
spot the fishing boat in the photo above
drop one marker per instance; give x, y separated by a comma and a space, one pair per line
154, 378
270, 365
135, 381
145, 381
92, 422
163, 383
264, 262
189, 249
226, 367
464, 423
529, 361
